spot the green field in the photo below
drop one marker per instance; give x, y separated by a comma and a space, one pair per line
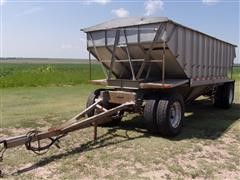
32, 75
207, 148
236, 73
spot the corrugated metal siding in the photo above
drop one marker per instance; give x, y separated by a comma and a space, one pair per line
191, 53
201, 56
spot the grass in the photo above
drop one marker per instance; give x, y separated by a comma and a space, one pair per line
208, 147
35, 106
32, 75
236, 73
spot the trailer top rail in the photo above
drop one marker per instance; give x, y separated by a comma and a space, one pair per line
136, 21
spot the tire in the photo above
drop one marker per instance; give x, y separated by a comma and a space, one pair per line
116, 119
149, 115
170, 115
224, 95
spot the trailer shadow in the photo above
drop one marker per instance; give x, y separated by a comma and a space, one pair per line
103, 140
202, 121
205, 121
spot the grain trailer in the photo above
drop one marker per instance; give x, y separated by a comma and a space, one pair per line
152, 66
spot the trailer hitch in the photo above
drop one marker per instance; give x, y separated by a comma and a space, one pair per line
56, 133
31, 136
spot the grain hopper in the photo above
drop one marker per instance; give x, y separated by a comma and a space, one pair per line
164, 64
152, 66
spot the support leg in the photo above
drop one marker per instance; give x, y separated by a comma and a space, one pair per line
95, 131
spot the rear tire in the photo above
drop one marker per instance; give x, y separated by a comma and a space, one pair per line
149, 115
170, 114
224, 95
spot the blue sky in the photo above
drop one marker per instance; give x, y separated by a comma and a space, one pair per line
52, 28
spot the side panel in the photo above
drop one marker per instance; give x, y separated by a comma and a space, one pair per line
139, 43
200, 56
189, 53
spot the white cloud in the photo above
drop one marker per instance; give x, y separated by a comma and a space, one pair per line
103, 2
151, 6
30, 11
210, 2
121, 12
2, 2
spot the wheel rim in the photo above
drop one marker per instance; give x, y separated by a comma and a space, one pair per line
175, 114
230, 100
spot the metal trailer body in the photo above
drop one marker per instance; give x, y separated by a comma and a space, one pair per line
153, 66
145, 53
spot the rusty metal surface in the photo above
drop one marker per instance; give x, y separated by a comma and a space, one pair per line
120, 83
169, 83
118, 97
